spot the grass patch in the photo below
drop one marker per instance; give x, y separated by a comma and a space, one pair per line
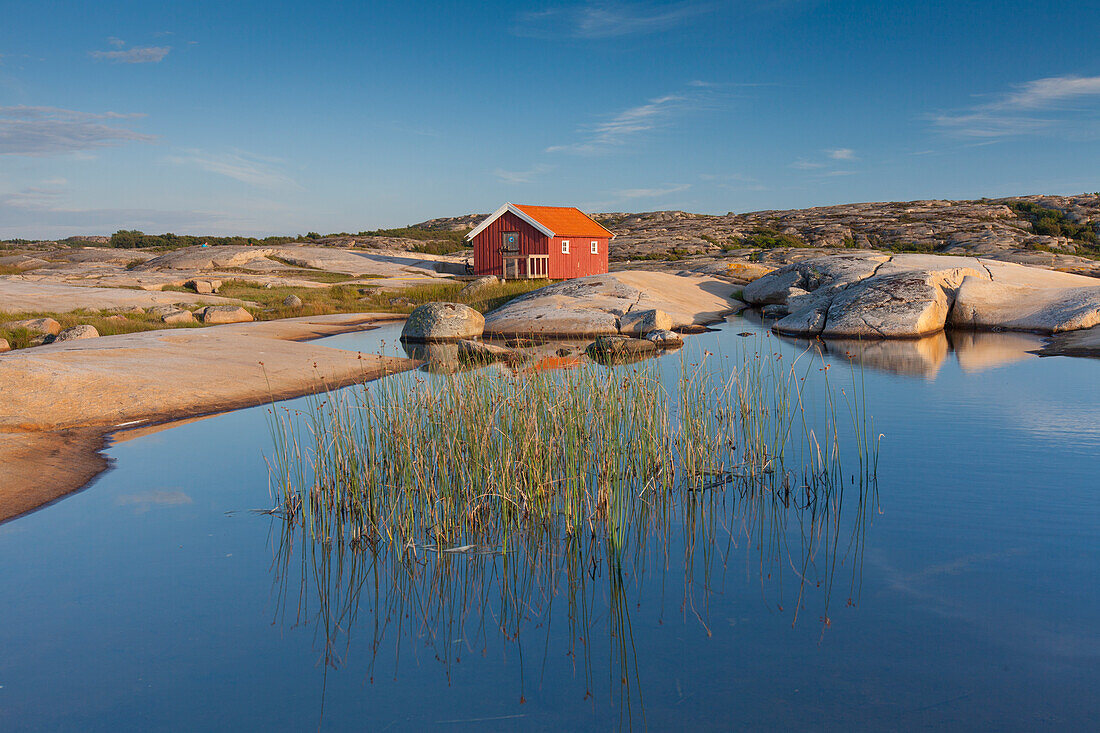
20, 338
269, 305
368, 299
769, 238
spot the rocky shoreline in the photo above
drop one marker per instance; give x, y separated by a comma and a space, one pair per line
863, 295
61, 402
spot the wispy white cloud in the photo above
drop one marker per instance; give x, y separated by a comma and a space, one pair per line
1050, 104
39, 131
32, 199
522, 176
134, 55
596, 20
239, 165
1049, 92
806, 165
624, 127
841, 154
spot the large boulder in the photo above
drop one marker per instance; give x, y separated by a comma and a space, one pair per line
178, 316
479, 285
162, 310
76, 333
204, 287
639, 323
44, 326
4, 346
214, 314
292, 301
443, 322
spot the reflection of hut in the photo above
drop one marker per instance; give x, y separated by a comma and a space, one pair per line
525, 242
554, 363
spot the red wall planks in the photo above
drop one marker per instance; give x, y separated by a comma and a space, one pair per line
580, 261
487, 258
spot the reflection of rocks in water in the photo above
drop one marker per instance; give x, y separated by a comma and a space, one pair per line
914, 357
980, 350
975, 350
439, 357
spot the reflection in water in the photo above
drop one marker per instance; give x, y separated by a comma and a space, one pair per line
912, 357
981, 350
388, 600
923, 357
466, 514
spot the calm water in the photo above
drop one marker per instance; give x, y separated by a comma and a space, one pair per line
962, 595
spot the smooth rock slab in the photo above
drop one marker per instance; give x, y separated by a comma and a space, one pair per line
83, 331
908, 296
899, 306
594, 305
443, 322
981, 304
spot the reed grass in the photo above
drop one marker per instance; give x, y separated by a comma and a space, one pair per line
452, 506
469, 459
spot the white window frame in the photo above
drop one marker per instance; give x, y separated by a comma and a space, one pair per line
595, 246
565, 246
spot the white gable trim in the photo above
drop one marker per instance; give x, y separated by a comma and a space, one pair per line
499, 213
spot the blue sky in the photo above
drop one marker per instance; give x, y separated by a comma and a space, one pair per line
257, 118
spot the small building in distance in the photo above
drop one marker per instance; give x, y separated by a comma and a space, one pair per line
527, 242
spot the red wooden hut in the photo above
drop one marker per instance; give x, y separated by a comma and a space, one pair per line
556, 242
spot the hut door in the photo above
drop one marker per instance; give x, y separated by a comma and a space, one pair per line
509, 243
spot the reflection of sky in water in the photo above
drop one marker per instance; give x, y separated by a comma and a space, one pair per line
977, 605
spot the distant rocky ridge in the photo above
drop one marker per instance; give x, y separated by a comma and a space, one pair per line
995, 228
1003, 229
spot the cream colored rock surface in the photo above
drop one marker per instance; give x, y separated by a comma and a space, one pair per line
76, 333
167, 373
908, 296
18, 295
443, 322
35, 325
216, 314
984, 304
594, 305
61, 399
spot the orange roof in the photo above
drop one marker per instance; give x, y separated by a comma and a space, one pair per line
565, 221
